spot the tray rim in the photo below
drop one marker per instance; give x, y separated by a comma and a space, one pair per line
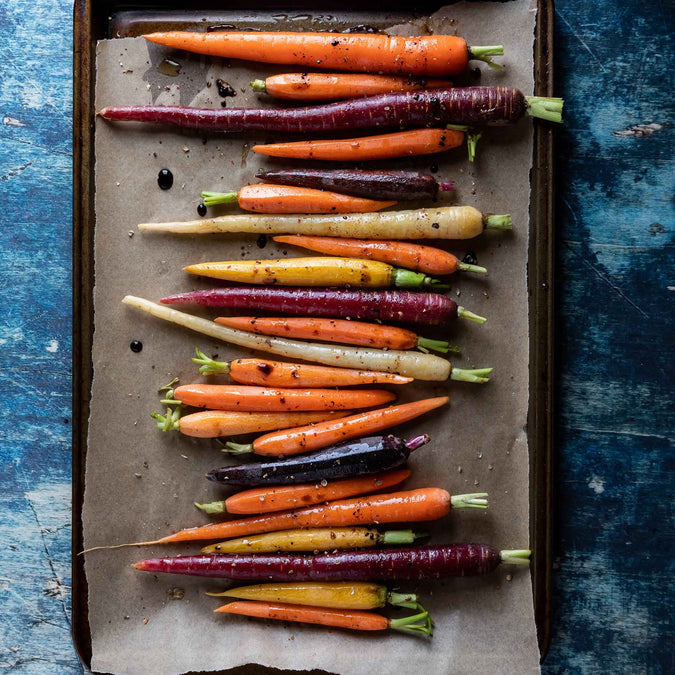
90, 19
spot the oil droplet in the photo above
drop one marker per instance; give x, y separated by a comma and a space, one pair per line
165, 179
136, 346
262, 241
169, 68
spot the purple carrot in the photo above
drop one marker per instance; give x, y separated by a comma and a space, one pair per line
475, 106
397, 185
424, 562
432, 309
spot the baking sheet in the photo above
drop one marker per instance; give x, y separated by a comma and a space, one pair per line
480, 623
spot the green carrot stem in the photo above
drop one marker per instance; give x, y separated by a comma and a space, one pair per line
208, 366
416, 623
406, 279
476, 500
237, 448
466, 267
471, 143
259, 86
215, 198
497, 222
397, 537
483, 53
457, 127
427, 344
169, 387
464, 313
515, 556
170, 421
211, 507
477, 376
403, 600
545, 108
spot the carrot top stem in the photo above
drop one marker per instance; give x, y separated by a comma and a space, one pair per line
417, 442
208, 366
416, 623
211, 507
408, 600
464, 313
515, 556
475, 500
545, 108
170, 421
466, 267
259, 86
401, 278
447, 186
471, 143
477, 375
215, 198
397, 537
497, 222
237, 448
427, 345
483, 53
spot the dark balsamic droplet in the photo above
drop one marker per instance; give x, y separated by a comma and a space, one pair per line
470, 258
434, 168
165, 179
225, 89
262, 241
136, 346
201, 209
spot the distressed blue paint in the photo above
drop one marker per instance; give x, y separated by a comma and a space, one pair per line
614, 431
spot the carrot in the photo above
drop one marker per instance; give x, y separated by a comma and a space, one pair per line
309, 438
334, 594
269, 499
348, 332
315, 539
265, 198
339, 618
333, 86
419, 505
436, 55
281, 374
318, 271
215, 423
383, 146
412, 256
266, 399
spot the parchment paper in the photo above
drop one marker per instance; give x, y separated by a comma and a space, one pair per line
140, 483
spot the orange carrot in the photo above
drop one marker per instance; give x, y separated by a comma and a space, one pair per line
416, 257
267, 500
261, 399
355, 619
337, 330
333, 86
215, 423
383, 146
266, 198
436, 55
315, 437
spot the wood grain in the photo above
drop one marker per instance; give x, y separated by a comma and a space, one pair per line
615, 350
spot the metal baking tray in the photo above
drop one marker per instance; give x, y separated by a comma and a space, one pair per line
111, 18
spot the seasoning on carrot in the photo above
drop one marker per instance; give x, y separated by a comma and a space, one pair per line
472, 106
419, 505
339, 618
309, 438
335, 594
370, 184
416, 257
264, 198
315, 539
373, 335
216, 423
319, 271
436, 55
261, 399
282, 374
280, 498
414, 563
334, 86
445, 222
412, 364
410, 143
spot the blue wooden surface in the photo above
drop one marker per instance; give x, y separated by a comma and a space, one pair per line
614, 459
